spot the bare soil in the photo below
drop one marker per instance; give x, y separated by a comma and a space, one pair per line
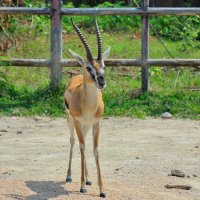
136, 158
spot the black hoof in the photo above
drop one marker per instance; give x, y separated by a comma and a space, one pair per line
88, 183
83, 190
68, 180
103, 195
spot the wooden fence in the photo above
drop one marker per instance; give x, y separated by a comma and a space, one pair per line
56, 62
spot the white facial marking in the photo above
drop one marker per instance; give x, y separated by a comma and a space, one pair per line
101, 70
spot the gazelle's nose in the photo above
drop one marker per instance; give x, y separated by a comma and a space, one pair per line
101, 80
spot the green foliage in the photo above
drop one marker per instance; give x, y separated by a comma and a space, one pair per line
26, 91
106, 23
36, 3
92, 3
186, 29
26, 100
118, 97
3, 84
182, 28
179, 103
167, 93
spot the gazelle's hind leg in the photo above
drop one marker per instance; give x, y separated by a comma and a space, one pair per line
70, 122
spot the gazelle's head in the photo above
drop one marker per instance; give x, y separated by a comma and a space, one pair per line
93, 67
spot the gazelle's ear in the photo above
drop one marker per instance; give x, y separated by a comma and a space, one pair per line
76, 56
105, 53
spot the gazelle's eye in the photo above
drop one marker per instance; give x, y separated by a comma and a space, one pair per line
88, 69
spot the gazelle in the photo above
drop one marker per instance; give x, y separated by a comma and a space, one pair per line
85, 107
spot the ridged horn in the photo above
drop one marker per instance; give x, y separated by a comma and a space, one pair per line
83, 40
99, 41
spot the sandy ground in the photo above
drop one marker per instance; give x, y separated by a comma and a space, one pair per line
136, 157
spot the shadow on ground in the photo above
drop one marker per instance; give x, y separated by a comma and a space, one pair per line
45, 190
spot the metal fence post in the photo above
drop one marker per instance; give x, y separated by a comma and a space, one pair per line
145, 46
56, 43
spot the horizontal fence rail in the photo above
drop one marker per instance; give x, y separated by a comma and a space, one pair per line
24, 11
108, 62
102, 11
56, 63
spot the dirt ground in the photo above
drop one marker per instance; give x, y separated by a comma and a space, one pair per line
136, 158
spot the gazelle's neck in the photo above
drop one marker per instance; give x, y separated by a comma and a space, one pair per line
90, 96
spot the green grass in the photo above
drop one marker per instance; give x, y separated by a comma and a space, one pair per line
25, 91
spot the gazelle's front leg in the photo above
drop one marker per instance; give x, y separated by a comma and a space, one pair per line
72, 140
96, 130
81, 132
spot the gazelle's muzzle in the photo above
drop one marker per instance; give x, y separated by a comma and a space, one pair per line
101, 83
